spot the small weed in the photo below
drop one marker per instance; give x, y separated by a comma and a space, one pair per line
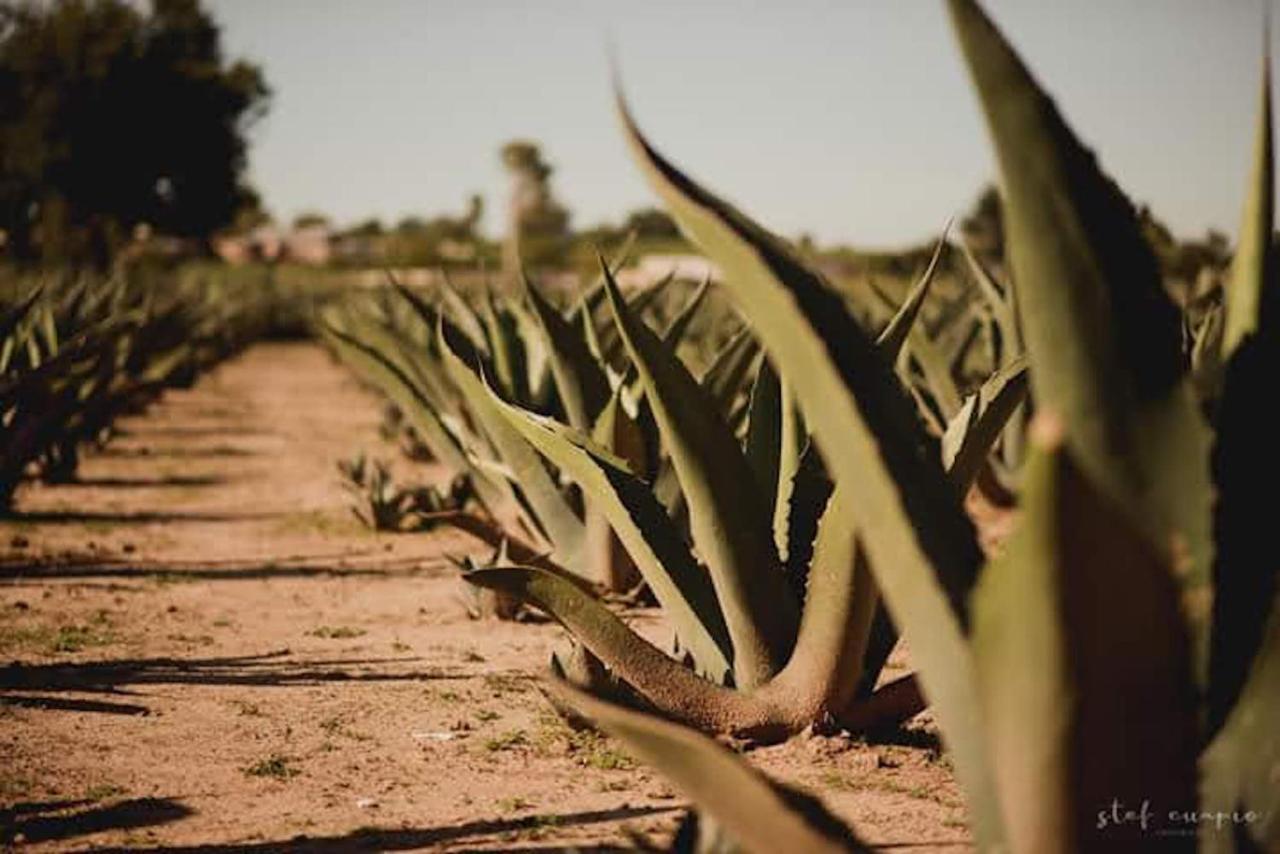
246, 709
76, 638
507, 741
103, 791
398, 646
221, 624
275, 766
336, 632
487, 715
14, 787
514, 804
193, 640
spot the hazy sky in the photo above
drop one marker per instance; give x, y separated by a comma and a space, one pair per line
850, 120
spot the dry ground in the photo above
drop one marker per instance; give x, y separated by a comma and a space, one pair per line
202, 650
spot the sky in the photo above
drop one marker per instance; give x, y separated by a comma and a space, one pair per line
850, 120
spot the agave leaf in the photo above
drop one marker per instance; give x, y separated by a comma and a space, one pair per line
1246, 465
660, 679
971, 434
939, 382
463, 316
827, 662
808, 492
1084, 666
764, 432
551, 510
894, 335
659, 552
1238, 769
639, 302
593, 297
919, 542
1250, 271
1103, 337
584, 390
727, 518
792, 442
759, 815
732, 362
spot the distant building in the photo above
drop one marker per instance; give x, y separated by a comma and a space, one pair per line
651, 268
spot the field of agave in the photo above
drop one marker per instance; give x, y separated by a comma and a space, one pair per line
79, 351
1042, 473
797, 497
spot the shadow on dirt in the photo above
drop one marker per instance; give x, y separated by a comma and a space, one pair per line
69, 517
65, 704
151, 482
272, 669
35, 823
405, 839
178, 573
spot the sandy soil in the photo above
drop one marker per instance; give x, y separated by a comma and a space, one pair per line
202, 650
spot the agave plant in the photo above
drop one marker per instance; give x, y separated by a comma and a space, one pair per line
770, 657
1090, 694
74, 356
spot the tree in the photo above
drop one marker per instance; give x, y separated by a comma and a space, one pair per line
983, 227
537, 224
111, 118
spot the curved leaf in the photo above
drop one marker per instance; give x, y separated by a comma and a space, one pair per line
1250, 271
894, 335
759, 815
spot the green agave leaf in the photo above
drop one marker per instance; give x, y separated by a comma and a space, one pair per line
972, 433
584, 389
935, 368
680, 585
731, 363
506, 349
551, 510
460, 312
895, 333
1103, 338
793, 440
1084, 666
838, 612
808, 493
728, 521
764, 432
1001, 302
759, 815
660, 679
1250, 271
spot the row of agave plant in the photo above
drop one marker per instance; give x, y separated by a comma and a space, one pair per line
76, 352
1120, 651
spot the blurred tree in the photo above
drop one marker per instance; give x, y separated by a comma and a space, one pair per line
111, 118
537, 224
310, 219
983, 226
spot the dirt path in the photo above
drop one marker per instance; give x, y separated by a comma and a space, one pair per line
201, 649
